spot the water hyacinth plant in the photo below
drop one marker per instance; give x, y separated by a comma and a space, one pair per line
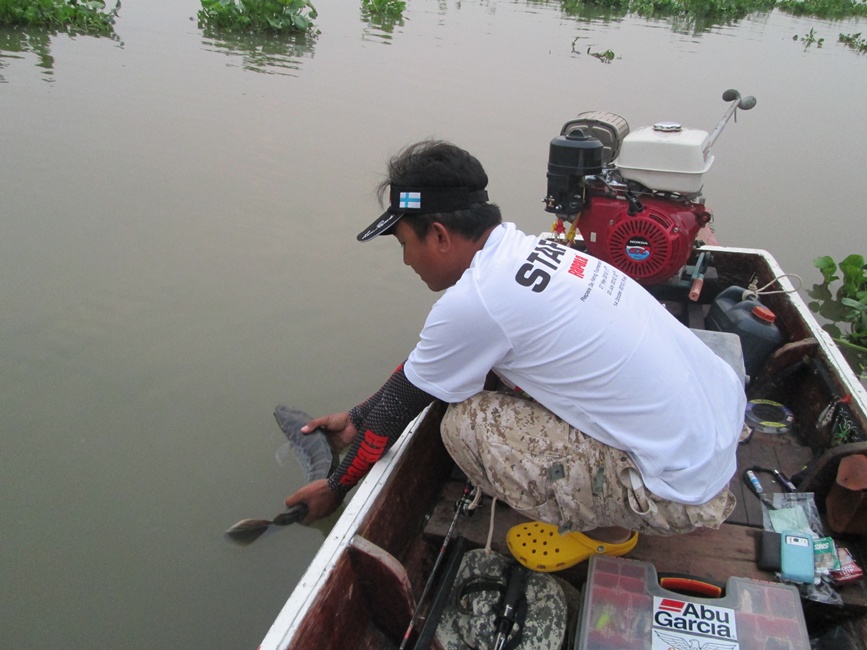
83, 16
854, 41
845, 305
687, 15
697, 16
384, 8
834, 9
810, 38
258, 15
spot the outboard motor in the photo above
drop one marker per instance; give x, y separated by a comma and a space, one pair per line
635, 197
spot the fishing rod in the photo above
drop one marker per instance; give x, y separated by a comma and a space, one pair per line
462, 506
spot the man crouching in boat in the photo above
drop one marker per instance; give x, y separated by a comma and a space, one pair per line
632, 422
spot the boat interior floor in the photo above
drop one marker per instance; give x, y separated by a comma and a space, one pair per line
708, 554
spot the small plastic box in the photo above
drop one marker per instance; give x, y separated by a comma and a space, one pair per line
626, 609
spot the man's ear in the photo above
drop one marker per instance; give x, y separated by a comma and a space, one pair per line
442, 234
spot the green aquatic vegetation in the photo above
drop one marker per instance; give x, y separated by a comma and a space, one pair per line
606, 57
591, 9
685, 15
263, 52
614, 6
844, 307
700, 15
810, 38
83, 16
854, 41
703, 11
824, 8
383, 15
258, 15
383, 8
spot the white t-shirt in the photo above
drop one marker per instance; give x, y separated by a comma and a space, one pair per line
595, 348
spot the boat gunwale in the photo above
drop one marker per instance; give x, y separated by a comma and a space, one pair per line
358, 508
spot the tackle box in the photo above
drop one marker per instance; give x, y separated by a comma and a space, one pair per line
625, 608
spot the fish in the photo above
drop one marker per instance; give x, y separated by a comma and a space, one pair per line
311, 450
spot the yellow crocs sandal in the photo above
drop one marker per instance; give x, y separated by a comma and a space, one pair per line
540, 547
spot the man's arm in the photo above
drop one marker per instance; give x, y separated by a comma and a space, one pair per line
377, 424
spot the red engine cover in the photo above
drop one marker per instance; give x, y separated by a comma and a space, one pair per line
650, 246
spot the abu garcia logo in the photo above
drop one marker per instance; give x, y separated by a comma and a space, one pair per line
680, 616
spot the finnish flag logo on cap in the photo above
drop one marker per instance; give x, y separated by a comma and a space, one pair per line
410, 200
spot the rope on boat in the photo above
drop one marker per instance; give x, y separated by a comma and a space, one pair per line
477, 499
491, 525
754, 292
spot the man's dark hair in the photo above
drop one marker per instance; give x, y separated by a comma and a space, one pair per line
436, 163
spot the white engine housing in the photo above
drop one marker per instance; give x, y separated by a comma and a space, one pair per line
666, 157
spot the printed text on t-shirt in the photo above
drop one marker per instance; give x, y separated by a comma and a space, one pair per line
536, 272
578, 266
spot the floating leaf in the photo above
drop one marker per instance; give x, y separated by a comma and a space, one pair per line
827, 266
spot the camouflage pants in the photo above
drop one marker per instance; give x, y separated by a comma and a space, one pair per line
520, 452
